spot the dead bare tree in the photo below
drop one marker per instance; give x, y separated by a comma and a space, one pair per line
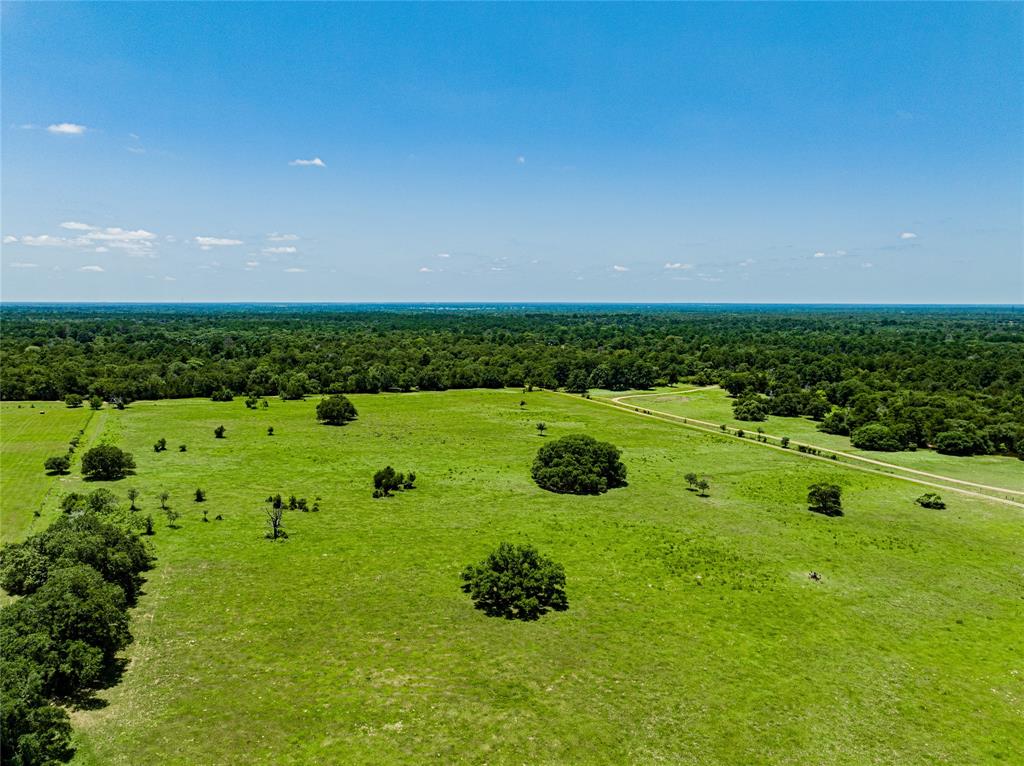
275, 517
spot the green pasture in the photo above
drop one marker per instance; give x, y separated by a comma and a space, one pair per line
693, 635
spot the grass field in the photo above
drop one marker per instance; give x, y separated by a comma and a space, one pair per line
715, 405
29, 434
693, 634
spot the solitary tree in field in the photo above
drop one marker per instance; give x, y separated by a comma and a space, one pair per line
692, 479
107, 462
541, 428
270, 430
516, 582
219, 432
580, 465
160, 446
149, 526
95, 401
172, 516
133, 495
826, 499
335, 410
57, 464
702, 488
275, 517
164, 497
73, 400
200, 496
182, 448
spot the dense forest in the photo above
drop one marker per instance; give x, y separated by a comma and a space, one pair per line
892, 378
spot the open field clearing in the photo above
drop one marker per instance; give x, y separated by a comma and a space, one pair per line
693, 633
714, 405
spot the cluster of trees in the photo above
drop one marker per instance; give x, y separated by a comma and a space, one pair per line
60, 637
387, 480
948, 378
580, 465
293, 503
516, 582
825, 498
697, 484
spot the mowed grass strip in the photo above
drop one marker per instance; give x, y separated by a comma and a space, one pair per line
693, 633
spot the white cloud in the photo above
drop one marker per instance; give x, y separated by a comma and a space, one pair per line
23, 265
840, 253
497, 268
280, 250
294, 270
76, 226
10, 239
208, 243
67, 129
820, 254
620, 268
252, 264
678, 265
136, 149
101, 250
45, 240
91, 268
748, 262
907, 235
275, 237
520, 160
115, 234
444, 255
170, 279
426, 270
867, 265
315, 162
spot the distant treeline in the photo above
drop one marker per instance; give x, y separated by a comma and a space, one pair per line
917, 373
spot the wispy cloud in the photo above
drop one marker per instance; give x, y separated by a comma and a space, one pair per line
620, 268
170, 279
444, 255
275, 237
907, 235
76, 226
671, 265
315, 162
821, 254
67, 129
10, 239
208, 243
280, 250
91, 268
252, 264
23, 265
521, 160
426, 270
294, 270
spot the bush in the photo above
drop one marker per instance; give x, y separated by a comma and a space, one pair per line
387, 480
875, 436
580, 465
160, 446
335, 410
96, 401
57, 464
516, 582
219, 432
224, 395
107, 462
825, 499
753, 408
931, 500
73, 400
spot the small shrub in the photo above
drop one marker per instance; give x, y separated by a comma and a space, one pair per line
160, 446
219, 432
73, 400
270, 430
182, 448
516, 582
931, 500
200, 496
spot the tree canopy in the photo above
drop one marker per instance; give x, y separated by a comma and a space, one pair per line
579, 464
335, 410
516, 582
107, 462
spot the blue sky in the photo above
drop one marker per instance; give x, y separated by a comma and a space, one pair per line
329, 152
